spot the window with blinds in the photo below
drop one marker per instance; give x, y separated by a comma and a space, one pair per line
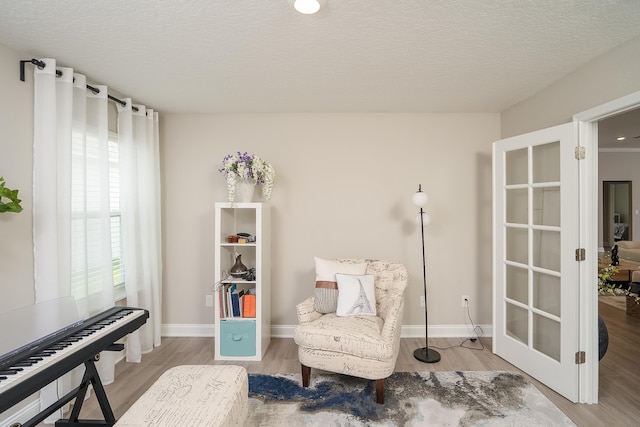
86, 233
117, 261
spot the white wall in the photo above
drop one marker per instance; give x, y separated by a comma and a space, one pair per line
16, 141
343, 189
16, 152
608, 77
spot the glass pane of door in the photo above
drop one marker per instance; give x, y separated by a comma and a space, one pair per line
546, 336
517, 247
517, 285
546, 206
517, 200
546, 162
546, 289
517, 323
533, 247
516, 166
546, 249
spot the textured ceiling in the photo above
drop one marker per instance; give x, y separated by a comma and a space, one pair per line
353, 56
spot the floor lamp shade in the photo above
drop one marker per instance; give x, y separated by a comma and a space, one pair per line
425, 354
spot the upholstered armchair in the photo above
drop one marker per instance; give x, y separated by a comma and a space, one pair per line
364, 346
629, 250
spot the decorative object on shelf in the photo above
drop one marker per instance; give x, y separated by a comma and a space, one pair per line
243, 172
426, 354
244, 190
615, 260
13, 205
238, 268
248, 238
249, 275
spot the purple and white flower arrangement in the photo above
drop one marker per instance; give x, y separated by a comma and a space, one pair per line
248, 167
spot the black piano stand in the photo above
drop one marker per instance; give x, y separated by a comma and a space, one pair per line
90, 377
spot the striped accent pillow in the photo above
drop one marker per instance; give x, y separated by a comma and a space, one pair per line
326, 291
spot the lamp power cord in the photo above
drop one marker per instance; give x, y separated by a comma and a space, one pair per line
477, 333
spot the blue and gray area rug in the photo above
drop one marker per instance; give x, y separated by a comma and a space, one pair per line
411, 399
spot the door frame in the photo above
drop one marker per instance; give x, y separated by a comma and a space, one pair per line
587, 122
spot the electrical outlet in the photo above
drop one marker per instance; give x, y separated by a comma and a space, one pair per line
465, 300
208, 300
422, 301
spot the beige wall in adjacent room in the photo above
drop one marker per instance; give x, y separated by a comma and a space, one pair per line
608, 77
343, 189
620, 166
16, 162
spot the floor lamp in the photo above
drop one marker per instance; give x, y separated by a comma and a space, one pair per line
425, 354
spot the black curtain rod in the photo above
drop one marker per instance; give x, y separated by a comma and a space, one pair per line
95, 90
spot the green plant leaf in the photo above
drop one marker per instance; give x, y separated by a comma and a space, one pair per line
13, 205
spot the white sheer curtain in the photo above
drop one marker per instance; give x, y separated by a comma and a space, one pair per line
138, 142
72, 214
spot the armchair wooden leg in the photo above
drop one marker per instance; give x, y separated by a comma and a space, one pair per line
306, 373
380, 391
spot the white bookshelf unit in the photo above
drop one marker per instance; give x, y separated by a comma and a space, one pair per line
242, 338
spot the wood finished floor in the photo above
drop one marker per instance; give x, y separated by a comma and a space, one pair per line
619, 376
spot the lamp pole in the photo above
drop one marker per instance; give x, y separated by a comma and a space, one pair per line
426, 354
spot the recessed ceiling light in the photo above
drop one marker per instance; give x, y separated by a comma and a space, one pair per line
308, 7
621, 138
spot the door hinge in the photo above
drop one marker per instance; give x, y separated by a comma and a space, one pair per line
581, 357
581, 153
580, 254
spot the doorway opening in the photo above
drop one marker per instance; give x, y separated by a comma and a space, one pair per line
591, 126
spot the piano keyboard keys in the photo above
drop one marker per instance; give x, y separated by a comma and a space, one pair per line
29, 366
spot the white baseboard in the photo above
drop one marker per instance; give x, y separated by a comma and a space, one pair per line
187, 330
286, 331
446, 331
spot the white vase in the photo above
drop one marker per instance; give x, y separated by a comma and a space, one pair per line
244, 191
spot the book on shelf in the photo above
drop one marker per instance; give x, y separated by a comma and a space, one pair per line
236, 302
220, 299
228, 298
249, 305
224, 312
235, 296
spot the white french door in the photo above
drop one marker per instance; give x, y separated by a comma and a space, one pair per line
536, 275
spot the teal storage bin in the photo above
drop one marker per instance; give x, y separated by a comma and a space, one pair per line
237, 338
